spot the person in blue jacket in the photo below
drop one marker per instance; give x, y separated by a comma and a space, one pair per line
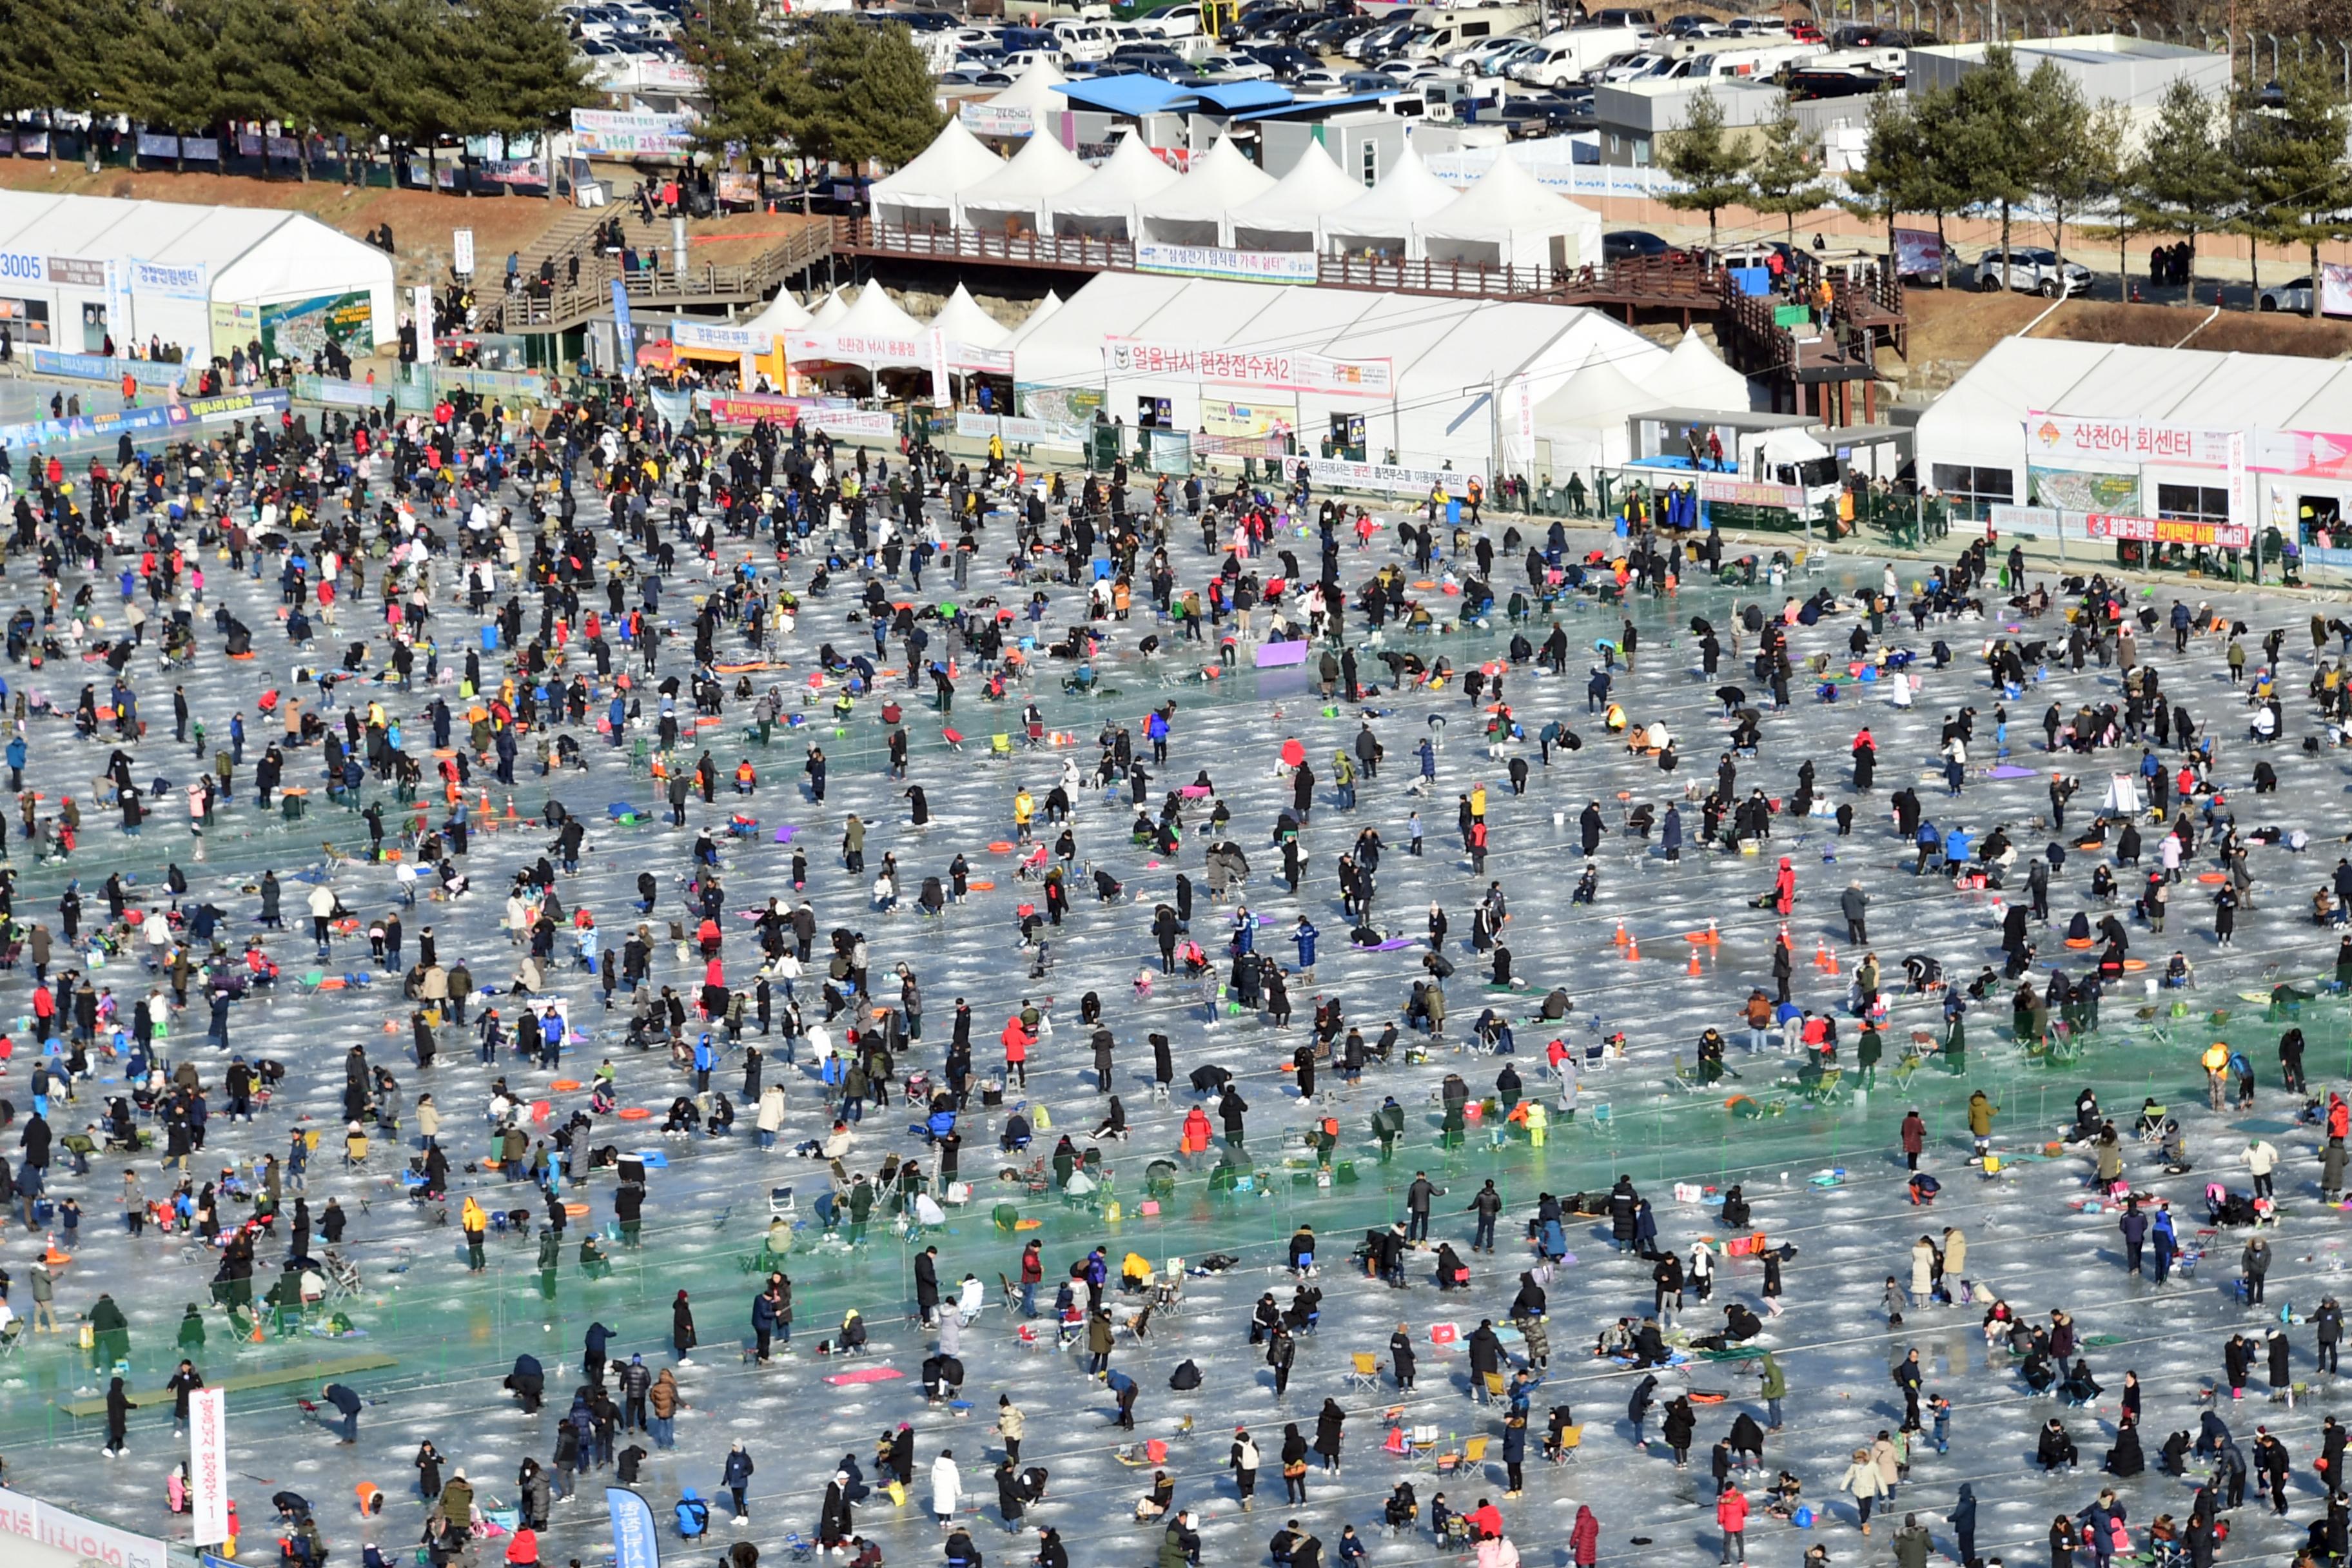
1305, 936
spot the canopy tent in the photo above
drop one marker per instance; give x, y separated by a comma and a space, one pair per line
783, 314
1038, 316
829, 310
875, 333
1507, 219
1021, 109
1287, 215
1694, 377
1386, 220
1198, 209
961, 321
1106, 206
1013, 199
924, 193
1585, 422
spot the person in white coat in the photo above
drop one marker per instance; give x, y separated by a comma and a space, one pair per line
771, 1114
947, 1487
1699, 1276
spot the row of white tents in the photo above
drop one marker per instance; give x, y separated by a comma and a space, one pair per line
1442, 380
1504, 219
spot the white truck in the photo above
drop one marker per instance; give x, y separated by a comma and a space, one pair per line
1564, 58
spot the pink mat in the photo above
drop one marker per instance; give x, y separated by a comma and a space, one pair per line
865, 1374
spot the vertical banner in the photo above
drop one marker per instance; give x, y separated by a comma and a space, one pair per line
747, 372
942, 393
635, 1544
208, 1464
622, 332
461, 252
422, 313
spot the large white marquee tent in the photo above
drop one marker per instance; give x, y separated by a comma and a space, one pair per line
2075, 426
1436, 380
77, 269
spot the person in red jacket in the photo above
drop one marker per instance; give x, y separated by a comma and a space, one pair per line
1017, 1041
1731, 1516
1585, 1539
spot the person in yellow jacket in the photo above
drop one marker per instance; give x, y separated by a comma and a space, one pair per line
1538, 1120
1025, 813
475, 1222
2216, 1061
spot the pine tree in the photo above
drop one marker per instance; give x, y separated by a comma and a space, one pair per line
1708, 167
849, 92
1786, 177
2291, 154
741, 64
1891, 180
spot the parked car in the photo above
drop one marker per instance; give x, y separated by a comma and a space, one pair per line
1628, 244
2292, 297
2031, 269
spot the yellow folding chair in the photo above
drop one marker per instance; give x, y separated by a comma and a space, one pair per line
1365, 1373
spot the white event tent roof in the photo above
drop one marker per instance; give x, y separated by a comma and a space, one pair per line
1013, 197
1105, 205
1199, 208
1507, 219
924, 194
1388, 217
1288, 216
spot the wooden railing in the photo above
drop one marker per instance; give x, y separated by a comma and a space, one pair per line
538, 308
1665, 280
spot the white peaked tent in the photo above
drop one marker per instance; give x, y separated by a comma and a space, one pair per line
1694, 377
1105, 206
875, 319
1012, 199
1288, 216
1198, 209
961, 321
1507, 219
829, 310
923, 194
1038, 316
1586, 420
1021, 110
783, 314
1387, 218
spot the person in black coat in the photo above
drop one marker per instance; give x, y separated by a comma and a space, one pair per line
1008, 1494
2054, 1448
1637, 1409
1402, 1360
1328, 1424
2125, 1458
681, 1328
119, 1407
1680, 1426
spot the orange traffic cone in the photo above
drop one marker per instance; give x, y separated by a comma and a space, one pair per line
1714, 939
1620, 938
1632, 951
1692, 971
1822, 959
511, 810
1832, 966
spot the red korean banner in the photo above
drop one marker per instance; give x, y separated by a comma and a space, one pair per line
2167, 530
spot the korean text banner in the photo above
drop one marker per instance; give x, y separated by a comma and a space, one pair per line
1274, 369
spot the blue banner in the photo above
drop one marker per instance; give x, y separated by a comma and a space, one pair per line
635, 1544
139, 421
98, 367
626, 334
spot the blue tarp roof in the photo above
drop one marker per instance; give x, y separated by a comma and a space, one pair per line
1234, 96
1317, 105
1130, 94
